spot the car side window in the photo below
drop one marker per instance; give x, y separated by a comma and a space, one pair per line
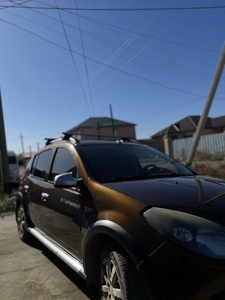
34, 164
29, 167
41, 163
63, 163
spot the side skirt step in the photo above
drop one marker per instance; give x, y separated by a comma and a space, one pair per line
65, 256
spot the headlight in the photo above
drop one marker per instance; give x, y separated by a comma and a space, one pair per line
191, 232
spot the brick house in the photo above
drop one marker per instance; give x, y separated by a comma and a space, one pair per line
186, 128
104, 126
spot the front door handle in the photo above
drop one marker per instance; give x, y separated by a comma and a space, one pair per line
44, 197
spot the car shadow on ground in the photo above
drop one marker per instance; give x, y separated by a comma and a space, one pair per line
63, 267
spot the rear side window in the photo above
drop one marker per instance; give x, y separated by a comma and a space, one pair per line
29, 166
63, 163
41, 163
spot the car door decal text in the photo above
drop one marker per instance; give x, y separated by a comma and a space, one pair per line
68, 202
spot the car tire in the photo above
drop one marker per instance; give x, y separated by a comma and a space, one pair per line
24, 235
118, 277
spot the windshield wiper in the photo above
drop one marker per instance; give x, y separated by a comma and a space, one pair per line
162, 175
124, 178
140, 177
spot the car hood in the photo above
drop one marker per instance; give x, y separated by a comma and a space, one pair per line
185, 192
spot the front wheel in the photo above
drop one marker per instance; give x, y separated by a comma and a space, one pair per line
24, 235
118, 277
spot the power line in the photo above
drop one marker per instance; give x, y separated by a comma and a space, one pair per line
141, 34
98, 62
75, 65
113, 43
139, 53
136, 54
85, 61
100, 23
15, 4
118, 9
148, 36
172, 108
122, 47
128, 49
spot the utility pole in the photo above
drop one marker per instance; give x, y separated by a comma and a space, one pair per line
21, 138
211, 94
3, 151
111, 114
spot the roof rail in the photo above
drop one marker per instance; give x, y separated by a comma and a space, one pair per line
71, 136
67, 135
50, 140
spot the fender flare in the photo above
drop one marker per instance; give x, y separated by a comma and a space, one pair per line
124, 239
20, 200
116, 232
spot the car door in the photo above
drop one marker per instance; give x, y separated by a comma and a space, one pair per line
33, 185
61, 210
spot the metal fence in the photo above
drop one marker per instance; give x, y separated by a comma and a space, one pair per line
209, 147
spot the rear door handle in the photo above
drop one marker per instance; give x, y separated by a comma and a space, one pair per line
44, 197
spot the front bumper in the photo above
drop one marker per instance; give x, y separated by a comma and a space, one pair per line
14, 178
172, 273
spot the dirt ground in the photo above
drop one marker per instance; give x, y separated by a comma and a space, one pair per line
32, 272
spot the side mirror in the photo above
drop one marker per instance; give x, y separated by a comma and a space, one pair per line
65, 180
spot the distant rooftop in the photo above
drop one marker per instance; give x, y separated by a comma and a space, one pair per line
190, 123
100, 122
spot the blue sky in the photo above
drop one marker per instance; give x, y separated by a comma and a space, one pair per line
60, 67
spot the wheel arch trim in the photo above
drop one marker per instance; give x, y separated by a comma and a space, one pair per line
114, 231
20, 200
125, 240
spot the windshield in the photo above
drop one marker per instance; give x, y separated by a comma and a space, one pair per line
123, 162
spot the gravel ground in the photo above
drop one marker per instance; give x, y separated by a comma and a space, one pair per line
32, 272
